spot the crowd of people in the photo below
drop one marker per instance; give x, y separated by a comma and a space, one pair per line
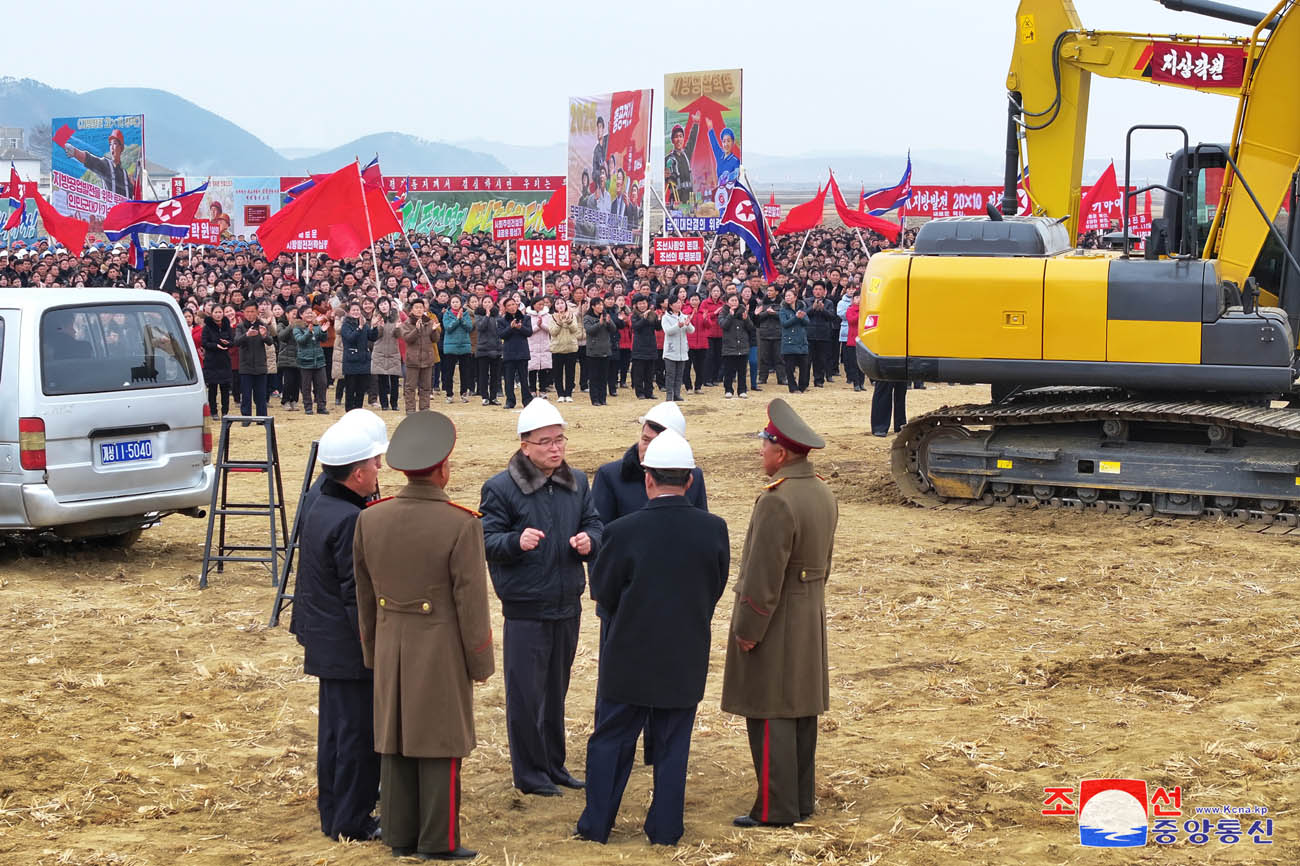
448, 317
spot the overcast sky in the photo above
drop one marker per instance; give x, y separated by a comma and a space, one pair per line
855, 76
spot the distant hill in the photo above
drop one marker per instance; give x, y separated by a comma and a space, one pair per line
196, 141
524, 159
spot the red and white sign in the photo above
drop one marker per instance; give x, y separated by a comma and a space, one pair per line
772, 213
679, 251
1197, 65
544, 256
178, 186
508, 228
204, 232
485, 183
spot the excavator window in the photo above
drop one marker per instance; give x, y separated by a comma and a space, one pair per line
1272, 261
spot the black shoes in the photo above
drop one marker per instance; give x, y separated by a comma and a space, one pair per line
461, 853
748, 823
546, 791
568, 781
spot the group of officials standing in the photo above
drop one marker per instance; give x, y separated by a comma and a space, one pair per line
391, 607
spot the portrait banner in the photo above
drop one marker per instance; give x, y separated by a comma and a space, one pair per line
701, 145
609, 141
95, 163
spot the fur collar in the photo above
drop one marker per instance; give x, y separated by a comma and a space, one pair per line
631, 468
530, 479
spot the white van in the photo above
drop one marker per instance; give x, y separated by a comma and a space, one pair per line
104, 426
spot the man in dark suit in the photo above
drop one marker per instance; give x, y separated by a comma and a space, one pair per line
659, 576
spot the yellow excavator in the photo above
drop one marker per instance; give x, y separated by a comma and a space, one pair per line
1153, 382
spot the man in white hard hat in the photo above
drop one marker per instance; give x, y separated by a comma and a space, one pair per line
325, 623
659, 575
375, 427
619, 486
539, 526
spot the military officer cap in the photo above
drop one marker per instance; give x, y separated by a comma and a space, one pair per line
422, 441
787, 429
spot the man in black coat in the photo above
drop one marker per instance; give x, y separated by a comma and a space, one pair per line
823, 334
325, 623
659, 576
539, 527
645, 352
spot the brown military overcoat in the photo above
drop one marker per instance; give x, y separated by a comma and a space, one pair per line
422, 605
781, 601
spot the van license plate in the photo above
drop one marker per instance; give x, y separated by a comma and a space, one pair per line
125, 452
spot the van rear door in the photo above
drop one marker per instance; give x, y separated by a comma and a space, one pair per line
11, 478
121, 400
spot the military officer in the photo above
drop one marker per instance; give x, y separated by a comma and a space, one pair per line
423, 613
776, 673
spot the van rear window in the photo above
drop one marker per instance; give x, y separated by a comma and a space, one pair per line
92, 349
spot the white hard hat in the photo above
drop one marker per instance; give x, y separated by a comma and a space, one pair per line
669, 450
667, 415
371, 423
538, 414
345, 443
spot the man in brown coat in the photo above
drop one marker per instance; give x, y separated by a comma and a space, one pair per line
420, 333
423, 613
776, 674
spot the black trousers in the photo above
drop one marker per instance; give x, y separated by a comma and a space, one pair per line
733, 368
622, 364
699, 357
643, 371
784, 752
611, 752
213, 387
513, 370
769, 360
387, 386
584, 374
537, 657
252, 393
356, 384
852, 372
449, 365
597, 373
715, 360
347, 768
290, 385
887, 398
823, 360
796, 364
563, 364
419, 803
539, 380
489, 378
329, 363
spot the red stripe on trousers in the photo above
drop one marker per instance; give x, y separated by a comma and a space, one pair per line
767, 765
451, 819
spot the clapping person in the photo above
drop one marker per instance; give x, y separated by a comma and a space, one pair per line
602, 341
794, 342
457, 322
420, 333
676, 328
564, 329
487, 351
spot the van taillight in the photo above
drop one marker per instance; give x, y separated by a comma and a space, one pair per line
31, 443
207, 433
870, 323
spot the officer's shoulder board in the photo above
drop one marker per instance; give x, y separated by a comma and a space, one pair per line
377, 501
465, 508
775, 484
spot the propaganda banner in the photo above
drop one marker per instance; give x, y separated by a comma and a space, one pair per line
452, 206
95, 163
679, 251
944, 201
544, 256
701, 145
508, 228
236, 206
609, 143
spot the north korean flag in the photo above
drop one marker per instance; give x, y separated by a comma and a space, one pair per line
744, 216
170, 217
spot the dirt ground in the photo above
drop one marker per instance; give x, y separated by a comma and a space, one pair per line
977, 656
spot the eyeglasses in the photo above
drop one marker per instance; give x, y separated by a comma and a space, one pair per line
553, 442
770, 437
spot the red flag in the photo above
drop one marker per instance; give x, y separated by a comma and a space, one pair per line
17, 192
804, 216
1106, 189
858, 219
63, 136
334, 208
69, 231
556, 209
624, 113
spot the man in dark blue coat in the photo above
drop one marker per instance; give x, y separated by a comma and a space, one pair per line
659, 576
514, 328
539, 527
325, 623
619, 486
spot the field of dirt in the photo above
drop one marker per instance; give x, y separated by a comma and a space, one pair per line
977, 657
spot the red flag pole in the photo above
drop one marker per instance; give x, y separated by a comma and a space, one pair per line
374, 261
800, 253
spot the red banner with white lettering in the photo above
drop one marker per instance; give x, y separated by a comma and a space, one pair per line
945, 201
679, 251
178, 186
508, 228
1197, 65
204, 231
544, 256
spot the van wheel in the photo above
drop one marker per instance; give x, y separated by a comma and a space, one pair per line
122, 541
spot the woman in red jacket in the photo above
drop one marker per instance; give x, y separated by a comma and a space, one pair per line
697, 344
624, 344
852, 370
710, 307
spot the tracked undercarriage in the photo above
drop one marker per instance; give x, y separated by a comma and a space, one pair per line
1105, 450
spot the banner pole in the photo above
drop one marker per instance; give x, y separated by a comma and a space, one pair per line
507, 253
860, 238
176, 254
801, 245
374, 260
543, 284
663, 205
401, 222
709, 257
610, 248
